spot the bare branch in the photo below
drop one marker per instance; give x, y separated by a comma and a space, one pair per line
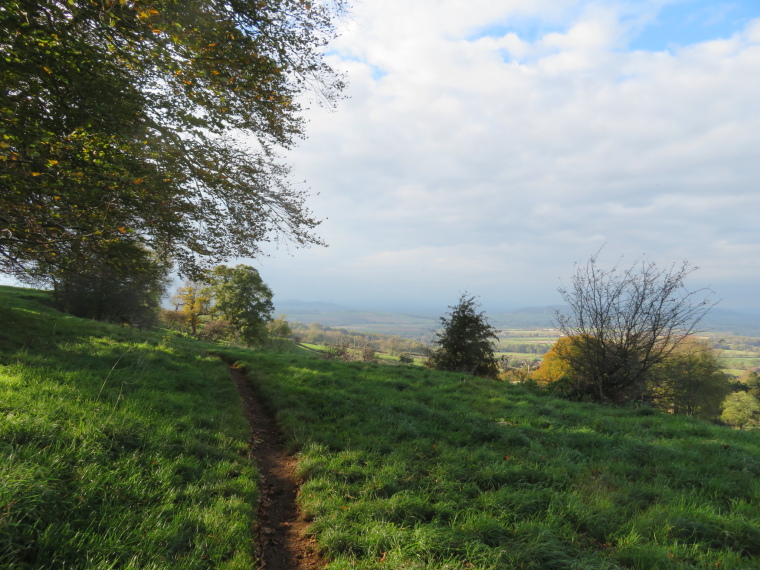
624, 321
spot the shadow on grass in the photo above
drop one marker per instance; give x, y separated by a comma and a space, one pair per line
423, 469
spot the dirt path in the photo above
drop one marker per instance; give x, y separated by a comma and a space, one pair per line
280, 540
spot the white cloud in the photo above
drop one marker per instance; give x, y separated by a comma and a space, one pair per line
493, 161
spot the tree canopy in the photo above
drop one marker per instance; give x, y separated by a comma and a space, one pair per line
741, 409
242, 299
555, 365
465, 344
155, 123
690, 381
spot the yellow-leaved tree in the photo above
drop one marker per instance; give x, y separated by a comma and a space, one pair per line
193, 301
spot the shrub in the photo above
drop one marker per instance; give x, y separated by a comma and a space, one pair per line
214, 331
466, 342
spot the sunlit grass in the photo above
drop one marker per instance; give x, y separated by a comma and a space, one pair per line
412, 468
118, 449
123, 449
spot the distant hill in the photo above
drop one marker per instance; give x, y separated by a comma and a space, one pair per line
336, 316
717, 320
736, 322
529, 317
418, 324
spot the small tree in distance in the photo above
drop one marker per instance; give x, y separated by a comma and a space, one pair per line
241, 298
279, 328
741, 409
690, 381
193, 300
624, 322
466, 342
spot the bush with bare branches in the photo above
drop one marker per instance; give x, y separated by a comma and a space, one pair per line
623, 322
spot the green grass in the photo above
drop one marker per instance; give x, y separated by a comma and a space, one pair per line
118, 449
412, 468
121, 449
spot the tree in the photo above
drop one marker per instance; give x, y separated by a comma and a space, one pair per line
279, 328
741, 409
404, 358
556, 372
637, 317
128, 285
466, 342
123, 122
690, 381
193, 300
243, 299
751, 381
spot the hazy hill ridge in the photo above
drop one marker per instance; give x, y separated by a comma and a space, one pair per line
417, 323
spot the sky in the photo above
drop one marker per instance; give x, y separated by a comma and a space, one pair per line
489, 146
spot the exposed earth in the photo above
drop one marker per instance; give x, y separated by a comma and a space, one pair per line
280, 534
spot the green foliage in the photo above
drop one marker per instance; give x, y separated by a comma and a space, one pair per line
119, 122
751, 380
690, 381
127, 285
369, 354
243, 299
430, 470
279, 328
742, 410
466, 342
118, 449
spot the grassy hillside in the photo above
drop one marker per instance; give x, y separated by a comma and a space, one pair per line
121, 449
411, 468
118, 449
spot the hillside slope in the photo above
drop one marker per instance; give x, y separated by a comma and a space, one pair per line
121, 449
118, 449
412, 468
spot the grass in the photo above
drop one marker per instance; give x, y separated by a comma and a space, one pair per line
118, 449
121, 449
412, 468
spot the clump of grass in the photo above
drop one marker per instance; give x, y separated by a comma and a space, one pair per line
420, 469
118, 449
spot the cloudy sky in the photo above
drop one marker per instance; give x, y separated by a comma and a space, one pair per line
488, 145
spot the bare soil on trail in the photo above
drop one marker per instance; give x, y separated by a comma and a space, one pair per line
280, 531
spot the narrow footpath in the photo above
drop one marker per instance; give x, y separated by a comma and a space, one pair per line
281, 542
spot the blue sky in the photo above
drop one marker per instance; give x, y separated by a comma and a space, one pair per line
693, 21
661, 27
